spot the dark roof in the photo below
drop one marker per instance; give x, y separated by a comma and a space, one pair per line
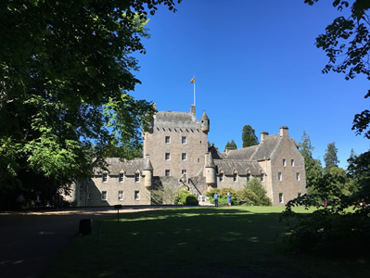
242, 167
129, 167
163, 119
264, 150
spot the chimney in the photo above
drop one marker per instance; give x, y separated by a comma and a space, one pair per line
284, 131
192, 109
264, 135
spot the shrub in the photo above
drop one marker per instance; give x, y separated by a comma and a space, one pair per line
184, 197
256, 187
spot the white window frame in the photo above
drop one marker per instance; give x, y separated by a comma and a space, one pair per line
167, 139
280, 176
104, 195
137, 177
183, 140
284, 162
262, 177
104, 177
167, 156
222, 177
281, 198
235, 177
184, 156
137, 195
297, 176
121, 177
167, 172
292, 162
120, 195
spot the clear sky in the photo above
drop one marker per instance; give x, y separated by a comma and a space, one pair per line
255, 62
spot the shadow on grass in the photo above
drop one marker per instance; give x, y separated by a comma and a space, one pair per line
189, 242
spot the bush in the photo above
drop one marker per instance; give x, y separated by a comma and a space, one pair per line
184, 197
245, 197
256, 187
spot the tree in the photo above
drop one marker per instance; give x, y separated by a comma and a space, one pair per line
256, 187
347, 44
313, 167
330, 157
230, 145
65, 73
248, 136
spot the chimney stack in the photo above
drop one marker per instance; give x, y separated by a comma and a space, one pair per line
284, 131
264, 135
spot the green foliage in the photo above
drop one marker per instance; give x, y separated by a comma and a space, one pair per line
184, 197
256, 187
222, 195
249, 137
65, 73
313, 169
346, 44
330, 157
246, 197
231, 145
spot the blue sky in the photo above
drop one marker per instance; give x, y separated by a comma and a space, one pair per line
255, 63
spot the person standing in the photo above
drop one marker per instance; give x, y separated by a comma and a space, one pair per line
228, 199
216, 199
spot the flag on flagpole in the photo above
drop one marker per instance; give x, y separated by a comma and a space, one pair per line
192, 80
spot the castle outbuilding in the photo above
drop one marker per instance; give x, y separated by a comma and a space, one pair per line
176, 155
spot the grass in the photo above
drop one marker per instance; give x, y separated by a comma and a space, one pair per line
196, 242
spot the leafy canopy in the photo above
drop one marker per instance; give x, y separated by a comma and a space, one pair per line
65, 72
248, 136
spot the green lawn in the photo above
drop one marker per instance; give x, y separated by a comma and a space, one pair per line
196, 242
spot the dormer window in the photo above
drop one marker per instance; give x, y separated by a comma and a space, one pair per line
121, 177
137, 177
105, 177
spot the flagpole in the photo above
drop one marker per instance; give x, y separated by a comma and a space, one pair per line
194, 92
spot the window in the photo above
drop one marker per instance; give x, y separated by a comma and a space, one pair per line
297, 176
235, 177
167, 139
281, 198
120, 177
221, 177
105, 177
137, 195
183, 139
292, 162
280, 178
262, 177
183, 156
248, 177
137, 177
104, 195
299, 194
167, 156
120, 195
183, 172
167, 173
284, 162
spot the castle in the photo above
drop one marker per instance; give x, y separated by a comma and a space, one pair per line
177, 155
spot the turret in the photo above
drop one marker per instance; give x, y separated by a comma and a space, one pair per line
205, 123
147, 172
210, 170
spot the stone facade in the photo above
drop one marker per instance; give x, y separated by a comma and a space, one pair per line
176, 155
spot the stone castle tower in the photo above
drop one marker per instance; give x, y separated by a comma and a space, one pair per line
176, 143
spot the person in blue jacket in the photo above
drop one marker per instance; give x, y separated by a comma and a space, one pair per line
216, 199
228, 199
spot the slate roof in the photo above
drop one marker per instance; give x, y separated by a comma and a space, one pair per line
129, 167
243, 167
264, 150
164, 119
